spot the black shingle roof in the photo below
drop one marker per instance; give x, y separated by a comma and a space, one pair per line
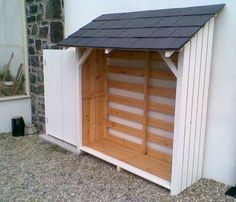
155, 29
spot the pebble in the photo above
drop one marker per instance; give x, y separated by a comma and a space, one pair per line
31, 170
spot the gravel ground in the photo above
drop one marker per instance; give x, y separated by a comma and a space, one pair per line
31, 170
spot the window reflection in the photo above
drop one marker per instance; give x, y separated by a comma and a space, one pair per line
12, 58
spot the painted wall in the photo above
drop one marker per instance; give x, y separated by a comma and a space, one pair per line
11, 108
220, 147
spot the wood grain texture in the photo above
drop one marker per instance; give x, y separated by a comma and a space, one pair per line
101, 106
144, 162
145, 109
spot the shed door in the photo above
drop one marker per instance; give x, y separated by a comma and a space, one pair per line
60, 70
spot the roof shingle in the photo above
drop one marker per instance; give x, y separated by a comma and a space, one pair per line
155, 29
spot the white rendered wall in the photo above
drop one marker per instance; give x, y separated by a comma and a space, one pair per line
220, 145
11, 108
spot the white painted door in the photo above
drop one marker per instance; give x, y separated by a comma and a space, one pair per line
60, 74
69, 75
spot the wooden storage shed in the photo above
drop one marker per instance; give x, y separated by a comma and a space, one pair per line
144, 80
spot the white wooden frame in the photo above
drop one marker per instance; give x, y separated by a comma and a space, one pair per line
128, 167
193, 74
165, 56
191, 109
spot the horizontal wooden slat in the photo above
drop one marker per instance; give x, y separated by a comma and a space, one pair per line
138, 55
161, 124
133, 55
125, 86
162, 108
159, 155
125, 100
125, 129
126, 70
162, 92
129, 55
125, 115
162, 74
126, 143
94, 95
167, 142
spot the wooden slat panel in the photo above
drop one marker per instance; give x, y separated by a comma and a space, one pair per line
159, 155
167, 142
162, 92
161, 124
126, 143
143, 162
128, 55
126, 70
125, 115
138, 55
125, 129
162, 74
162, 108
125, 86
125, 100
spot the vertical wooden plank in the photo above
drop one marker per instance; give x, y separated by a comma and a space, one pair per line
205, 97
106, 94
199, 101
103, 88
98, 89
145, 110
192, 134
180, 117
85, 103
92, 91
189, 111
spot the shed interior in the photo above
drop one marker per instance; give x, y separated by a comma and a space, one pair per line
128, 104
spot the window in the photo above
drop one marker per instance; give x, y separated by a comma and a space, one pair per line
13, 49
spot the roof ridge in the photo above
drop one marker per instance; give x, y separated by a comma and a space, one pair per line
94, 20
162, 9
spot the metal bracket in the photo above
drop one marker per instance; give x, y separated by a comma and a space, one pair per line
107, 51
168, 53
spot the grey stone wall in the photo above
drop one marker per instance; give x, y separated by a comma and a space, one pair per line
45, 23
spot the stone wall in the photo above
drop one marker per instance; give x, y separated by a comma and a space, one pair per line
45, 22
